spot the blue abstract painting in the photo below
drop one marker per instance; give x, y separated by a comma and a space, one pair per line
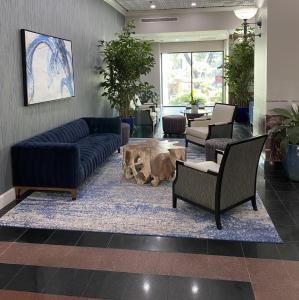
48, 68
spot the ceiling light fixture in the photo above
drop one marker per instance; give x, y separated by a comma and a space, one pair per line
246, 14
193, 4
152, 5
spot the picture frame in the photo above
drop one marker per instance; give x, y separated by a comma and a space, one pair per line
48, 72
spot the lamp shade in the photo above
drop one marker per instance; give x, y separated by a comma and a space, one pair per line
245, 13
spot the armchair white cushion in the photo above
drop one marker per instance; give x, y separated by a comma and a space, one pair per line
203, 166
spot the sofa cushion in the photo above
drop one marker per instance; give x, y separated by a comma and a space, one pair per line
68, 133
198, 132
95, 149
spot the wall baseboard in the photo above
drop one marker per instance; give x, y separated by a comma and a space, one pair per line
7, 197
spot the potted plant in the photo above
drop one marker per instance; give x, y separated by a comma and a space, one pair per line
239, 73
288, 134
126, 60
195, 102
147, 94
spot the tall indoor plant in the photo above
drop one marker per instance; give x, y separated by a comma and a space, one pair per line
126, 60
288, 134
239, 72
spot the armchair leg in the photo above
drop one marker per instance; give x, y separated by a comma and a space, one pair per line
186, 143
174, 201
118, 150
253, 202
218, 221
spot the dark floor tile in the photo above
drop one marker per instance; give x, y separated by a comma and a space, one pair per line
283, 186
289, 251
126, 241
281, 218
188, 288
108, 285
7, 272
195, 288
288, 195
70, 282
274, 205
231, 290
269, 195
141, 286
263, 185
32, 279
11, 234
260, 250
170, 244
35, 236
94, 239
227, 248
288, 233
64, 237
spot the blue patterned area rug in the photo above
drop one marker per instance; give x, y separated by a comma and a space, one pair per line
107, 202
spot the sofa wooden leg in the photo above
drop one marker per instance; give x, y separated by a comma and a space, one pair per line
253, 202
118, 150
186, 143
18, 193
73, 194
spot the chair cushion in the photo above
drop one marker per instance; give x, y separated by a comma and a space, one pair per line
199, 132
223, 113
204, 166
94, 150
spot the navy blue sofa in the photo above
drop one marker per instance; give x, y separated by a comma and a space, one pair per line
62, 158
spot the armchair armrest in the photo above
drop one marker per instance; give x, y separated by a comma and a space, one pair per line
220, 130
219, 156
104, 125
46, 165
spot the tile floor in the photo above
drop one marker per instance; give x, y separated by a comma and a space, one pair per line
54, 264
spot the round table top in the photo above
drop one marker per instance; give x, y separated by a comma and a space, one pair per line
174, 117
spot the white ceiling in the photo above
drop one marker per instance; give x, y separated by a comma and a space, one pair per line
137, 5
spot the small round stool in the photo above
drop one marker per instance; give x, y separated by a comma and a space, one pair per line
215, 144
174, 124
125, 133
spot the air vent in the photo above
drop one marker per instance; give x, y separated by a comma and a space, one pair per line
155, 20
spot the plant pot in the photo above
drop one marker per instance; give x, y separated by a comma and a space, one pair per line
291, 162
130, 121
242, 114
194, 109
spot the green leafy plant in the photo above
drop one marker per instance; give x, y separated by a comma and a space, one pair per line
239, 69
126, 60
288, 131
147, 94
197, 100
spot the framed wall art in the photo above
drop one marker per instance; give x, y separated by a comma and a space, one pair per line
47, 67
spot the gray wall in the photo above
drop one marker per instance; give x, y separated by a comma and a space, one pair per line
82, 21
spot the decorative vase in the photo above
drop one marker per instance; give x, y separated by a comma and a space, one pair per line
194, 109
291, 162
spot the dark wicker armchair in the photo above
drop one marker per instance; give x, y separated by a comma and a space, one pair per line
218, 187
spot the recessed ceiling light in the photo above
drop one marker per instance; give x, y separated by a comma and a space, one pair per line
193, 4
153, 6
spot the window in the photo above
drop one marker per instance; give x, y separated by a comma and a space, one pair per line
198, 73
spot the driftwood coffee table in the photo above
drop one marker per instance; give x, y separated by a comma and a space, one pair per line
152, 160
